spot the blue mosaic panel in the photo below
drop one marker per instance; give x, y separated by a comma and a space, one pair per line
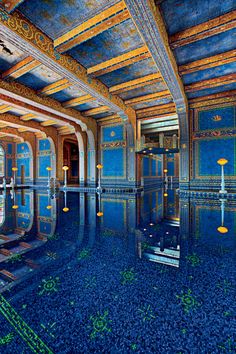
145, 166
154, 166
159, 168
216, 118
210, 220
26, 208
9, 167
45, 227
22, 222
114, 133
114, 214
22, 148
209, 151
24, 161
170, 168
113, 161
44, 144
9, 149
43, 163
42, 206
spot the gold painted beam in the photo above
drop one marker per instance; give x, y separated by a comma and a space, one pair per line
204, 84
55, 87
120, 61
47, 123
22, 130
217, 98
21, 68
207, 63
156, 108
92, 27
28, 116
204, 30
132, 84
5, 108
94, 111
79, 100
149, 98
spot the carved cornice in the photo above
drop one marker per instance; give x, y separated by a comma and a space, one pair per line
151, 26
20, 31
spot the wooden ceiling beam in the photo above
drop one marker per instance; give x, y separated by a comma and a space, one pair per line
92, 27
140, 82
5, 108
215, 82
55, 87
204, 30
21, 68
149, 98
78, 101
156, 108
207, 63
120, 61
216, 98
94, 111
28, 116
48, 123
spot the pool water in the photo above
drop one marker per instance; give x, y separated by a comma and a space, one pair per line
153, 274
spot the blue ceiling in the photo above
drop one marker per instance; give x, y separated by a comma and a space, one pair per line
182, 14
56, 17
109, 44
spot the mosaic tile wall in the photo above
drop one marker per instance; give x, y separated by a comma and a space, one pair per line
213, 137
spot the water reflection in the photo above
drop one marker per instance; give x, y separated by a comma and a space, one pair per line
153, 226
160, 260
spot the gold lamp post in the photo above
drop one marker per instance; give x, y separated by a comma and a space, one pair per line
222, 162
99, 167
14, 169
65, 169
222, 229
49, 169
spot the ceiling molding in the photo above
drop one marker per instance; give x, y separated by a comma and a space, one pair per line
215, 82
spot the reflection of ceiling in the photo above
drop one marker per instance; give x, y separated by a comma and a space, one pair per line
116, 70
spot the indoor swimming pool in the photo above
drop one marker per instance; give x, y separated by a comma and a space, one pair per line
153, 273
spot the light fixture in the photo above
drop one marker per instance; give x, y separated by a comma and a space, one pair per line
100, 213
222, 229
65, 209
49, 207
15, 206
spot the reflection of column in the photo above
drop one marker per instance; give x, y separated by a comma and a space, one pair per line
65, 209
174, 141
161, 140
222, 229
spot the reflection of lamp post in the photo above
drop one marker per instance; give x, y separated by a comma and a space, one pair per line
65, 169
165, 174
14, 206
99, 213
65, 209
99, 167
222, 162
14, 169
49, 206
49, 169
222, 229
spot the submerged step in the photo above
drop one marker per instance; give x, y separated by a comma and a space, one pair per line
5, 273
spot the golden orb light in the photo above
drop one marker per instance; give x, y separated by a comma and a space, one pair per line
165, 194
222, 230
49, 168
99, 166
65, 168
49, 207
222, 162
100, 213
65, 209
165, 170
14, 169
15, 206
